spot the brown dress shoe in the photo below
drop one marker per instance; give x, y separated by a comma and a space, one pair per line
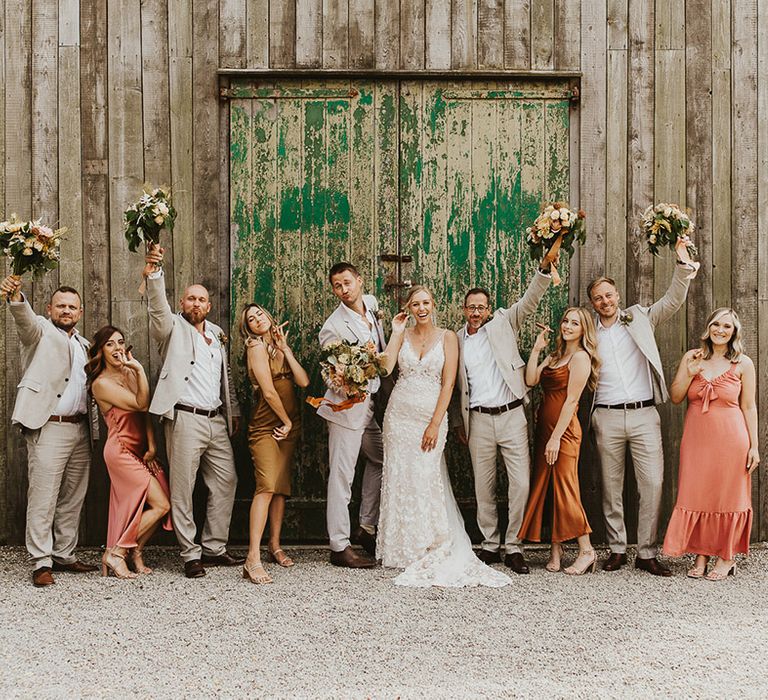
351, 559
76, 567
488, 557
652, 566
516, 562
225, 559
42, 577
365, 539
194, 569
615, 561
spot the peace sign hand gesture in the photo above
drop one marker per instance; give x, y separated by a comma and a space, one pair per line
281, 337
542, 339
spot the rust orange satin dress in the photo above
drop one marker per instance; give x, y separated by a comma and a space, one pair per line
568, 517
129, 476
713, 512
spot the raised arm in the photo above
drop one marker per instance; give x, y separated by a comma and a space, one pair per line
518, 312
533, 368
448, 379
395, 341
160, 314
27, 321
300, 376
749, 409
673, 298
689, 367
580, 368
258, 367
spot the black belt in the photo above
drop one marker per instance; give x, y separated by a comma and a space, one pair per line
198, 411
627, 406
77, 418
496, 410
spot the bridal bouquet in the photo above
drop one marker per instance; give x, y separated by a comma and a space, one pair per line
146, 218
558, 226
347, 368
666, 225
31, 246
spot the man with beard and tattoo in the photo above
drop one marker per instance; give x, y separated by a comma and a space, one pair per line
52, 410
199, 411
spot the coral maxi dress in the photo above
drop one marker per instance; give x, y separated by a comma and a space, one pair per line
713, 513
129, 475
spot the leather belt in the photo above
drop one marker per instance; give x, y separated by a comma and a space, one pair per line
198, 411
627, 406
77, 418
496, 410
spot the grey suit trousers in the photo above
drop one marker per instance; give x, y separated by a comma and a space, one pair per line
195, 442
58, 463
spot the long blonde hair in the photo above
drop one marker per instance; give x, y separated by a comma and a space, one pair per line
735, 345
247, 334
588, 343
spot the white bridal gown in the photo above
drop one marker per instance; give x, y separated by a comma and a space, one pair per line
420, 527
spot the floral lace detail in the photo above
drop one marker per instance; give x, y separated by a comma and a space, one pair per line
420, 527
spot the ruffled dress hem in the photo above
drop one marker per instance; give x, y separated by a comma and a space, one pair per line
693, 532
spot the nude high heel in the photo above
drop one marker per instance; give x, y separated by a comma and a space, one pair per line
573, 571
119, 568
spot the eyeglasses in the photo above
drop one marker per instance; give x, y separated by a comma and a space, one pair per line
480, 309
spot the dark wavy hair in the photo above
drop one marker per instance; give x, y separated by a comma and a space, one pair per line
95, 365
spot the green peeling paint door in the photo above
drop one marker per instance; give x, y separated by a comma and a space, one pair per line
448, 174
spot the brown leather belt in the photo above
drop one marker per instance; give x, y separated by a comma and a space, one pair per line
77, 418
496, 410
198, 411
627, 406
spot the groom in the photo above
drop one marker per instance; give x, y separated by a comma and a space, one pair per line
355, 429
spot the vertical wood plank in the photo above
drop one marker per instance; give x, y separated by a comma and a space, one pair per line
464, 34
335, 33
567, 35
640, 99
438, 34
361, 33
232, 33
490, 34
387, 35
309, 33
412, 34
543, 34
282, 34
744, 271
4, 405
593, 134
617, 24
257, 37
517, 34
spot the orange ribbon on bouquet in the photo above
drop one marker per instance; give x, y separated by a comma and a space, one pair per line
551, 256
335, 407
681, 248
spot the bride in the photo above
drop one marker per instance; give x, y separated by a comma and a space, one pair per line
420, 526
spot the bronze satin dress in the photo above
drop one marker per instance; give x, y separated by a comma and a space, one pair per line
568, 517
272, 458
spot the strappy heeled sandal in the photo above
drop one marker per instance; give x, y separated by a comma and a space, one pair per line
550, 565
135, 561
698, 571
719, 576
118, 568
285, 561
573, 571
256, 573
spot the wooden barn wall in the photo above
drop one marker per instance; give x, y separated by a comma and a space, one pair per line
101, 96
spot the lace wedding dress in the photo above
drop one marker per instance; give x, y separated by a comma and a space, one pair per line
420, 527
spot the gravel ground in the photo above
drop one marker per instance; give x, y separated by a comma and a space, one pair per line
319, 631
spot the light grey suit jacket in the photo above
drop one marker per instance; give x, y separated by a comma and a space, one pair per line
642, 327
46, 360
338, 327
503, 330
176, 342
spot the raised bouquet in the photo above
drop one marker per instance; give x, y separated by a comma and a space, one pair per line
558, 226
144, 219
347, 368
666, 225
31, 246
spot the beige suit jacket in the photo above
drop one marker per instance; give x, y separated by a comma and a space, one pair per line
503, 330
46, 361
642, 327
175, 338
338, 327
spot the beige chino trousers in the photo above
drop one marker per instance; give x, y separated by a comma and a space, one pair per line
507, 432
58, 463
195, 442
640, 428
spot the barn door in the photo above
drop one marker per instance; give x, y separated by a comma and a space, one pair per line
412, 182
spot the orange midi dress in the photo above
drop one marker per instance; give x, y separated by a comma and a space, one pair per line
129, 475
568, 517
713, 512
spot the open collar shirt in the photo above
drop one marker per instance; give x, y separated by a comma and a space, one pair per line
486, 384
203, 389
73, 400
625, 373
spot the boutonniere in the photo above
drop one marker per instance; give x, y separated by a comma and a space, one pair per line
625, 318
223, 338
379, 314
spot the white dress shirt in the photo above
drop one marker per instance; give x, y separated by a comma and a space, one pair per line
625, 373
486, 384
204, 386
73, 401
365, 332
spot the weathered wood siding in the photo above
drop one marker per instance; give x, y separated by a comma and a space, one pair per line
100, 96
